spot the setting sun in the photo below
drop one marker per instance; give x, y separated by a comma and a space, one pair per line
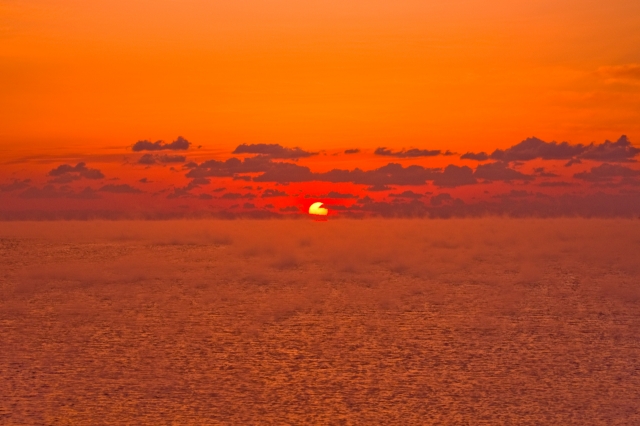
317, 209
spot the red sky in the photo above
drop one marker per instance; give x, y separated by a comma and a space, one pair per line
82, 82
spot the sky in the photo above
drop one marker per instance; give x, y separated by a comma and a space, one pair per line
404, 108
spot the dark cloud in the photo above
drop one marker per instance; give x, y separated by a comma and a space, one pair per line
410, 153
50, 191
205, 196
479, 156
541, 172
120, 189
413, 208
86, 194
607, 172
532, 148
68, 178
453, 176
150, 159
499, 171
167, 159
199, 181
407, 194
185, 191
285, 173
352, 151
440, 199
147, 159
180, 193
237, 196
514, 193
391, 174
249, 206
15, 185
555, 184
179, 144
273, 193
290, 209
379, 188
332, 194
273, 151
144, 180
618, 151
66, 173
572, 162
231, 167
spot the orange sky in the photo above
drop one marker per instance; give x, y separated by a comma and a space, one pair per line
470, 75
82, 81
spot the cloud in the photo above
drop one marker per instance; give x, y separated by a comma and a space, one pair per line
607, 172
50, 191
380, 178
541, 172
120, 189
66, 173
147, 159
352, 151
285, 173
480, 156
556, 184
273, 151
379, 188
407, 194
231, 167
332, 194
440, 199
15, 185
150, 159
410, 153
290, 209
391, 174
453, 176
532, 148
413, 208
249, 206
514, 193
273, 193
237, 196
180, 144
499, 171
180, 193
618, 151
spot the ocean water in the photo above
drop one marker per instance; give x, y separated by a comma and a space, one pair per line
470, 321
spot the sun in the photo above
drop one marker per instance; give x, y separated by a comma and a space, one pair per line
317, 209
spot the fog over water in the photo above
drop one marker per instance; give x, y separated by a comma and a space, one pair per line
462, 321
